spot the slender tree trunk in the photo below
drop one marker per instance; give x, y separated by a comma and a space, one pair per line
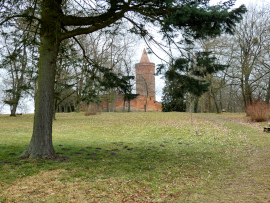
209, 102
77, 104
220, 100
54, 109
248, 93
79, 95
230, 103
145, 106
243, 93
124, 106
41, 142
128, 105
215, 101
191, 104
267, 99
13, 109
113, 100
196, 104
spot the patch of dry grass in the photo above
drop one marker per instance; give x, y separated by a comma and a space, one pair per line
139, 157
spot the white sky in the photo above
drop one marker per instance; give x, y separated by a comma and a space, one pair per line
240, 2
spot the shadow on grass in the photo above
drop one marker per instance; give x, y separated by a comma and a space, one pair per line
114, 159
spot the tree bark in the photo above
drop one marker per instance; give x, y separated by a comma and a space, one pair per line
41, 142
215, 100
129, 105
248, 91
267, 99
196, 104
124, 106
113, 99
13, 110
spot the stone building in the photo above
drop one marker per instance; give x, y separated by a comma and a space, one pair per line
145, 87
145, 77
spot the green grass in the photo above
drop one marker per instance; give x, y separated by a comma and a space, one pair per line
137, 157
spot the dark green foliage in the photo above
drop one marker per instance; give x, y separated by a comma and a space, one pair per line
188, 76
125, 88
206, 64
119, 81
90, 92
170, 102
105, 80
110, 79
199, 21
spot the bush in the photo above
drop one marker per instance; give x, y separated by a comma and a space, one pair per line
174, 105
258, 111
92, 109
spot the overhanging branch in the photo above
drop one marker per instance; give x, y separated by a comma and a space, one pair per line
92, 28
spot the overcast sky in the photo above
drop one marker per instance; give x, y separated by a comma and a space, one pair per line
240, 2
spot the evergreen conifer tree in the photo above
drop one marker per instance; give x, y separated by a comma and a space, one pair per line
188, 76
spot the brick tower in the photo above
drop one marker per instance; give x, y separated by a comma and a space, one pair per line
145, 77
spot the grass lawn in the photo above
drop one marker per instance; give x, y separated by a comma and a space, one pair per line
138, 157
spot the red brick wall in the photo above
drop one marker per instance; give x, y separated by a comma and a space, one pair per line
145, 79
135, 104
140, 102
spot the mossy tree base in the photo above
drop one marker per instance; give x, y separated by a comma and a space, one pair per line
38, 152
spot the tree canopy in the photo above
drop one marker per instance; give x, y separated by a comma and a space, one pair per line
53, 21
188, 75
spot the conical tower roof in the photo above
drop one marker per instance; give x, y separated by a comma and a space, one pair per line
144, 58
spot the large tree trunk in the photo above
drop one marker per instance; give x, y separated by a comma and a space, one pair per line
248, 91
13, 109
243, 92
215, 100
41, 142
